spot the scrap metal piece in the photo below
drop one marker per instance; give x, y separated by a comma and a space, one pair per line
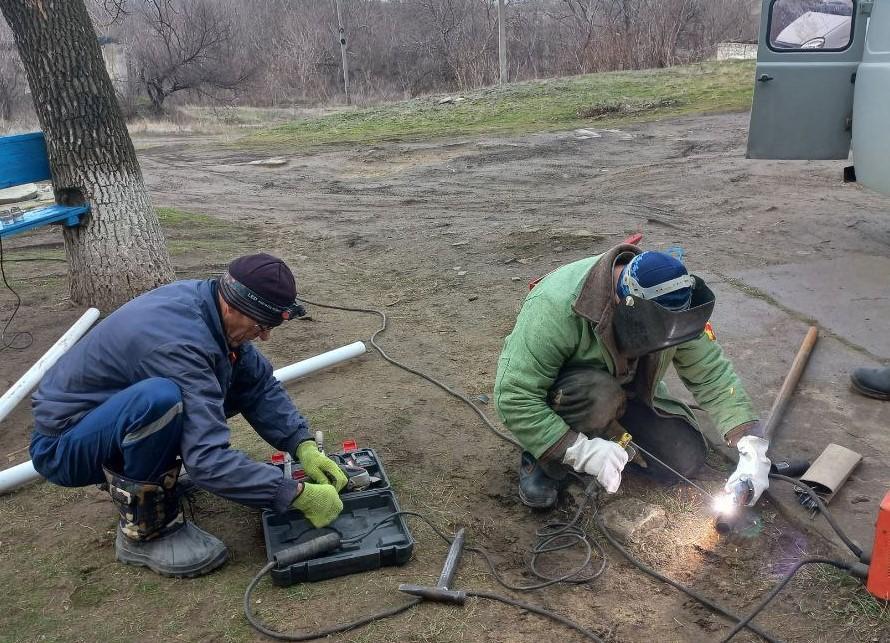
830, 471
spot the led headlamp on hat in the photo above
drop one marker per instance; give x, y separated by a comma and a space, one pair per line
255, 306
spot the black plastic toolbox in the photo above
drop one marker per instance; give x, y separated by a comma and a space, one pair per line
368, 459
390, 544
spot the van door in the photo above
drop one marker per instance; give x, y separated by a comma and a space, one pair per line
871, 107
807, 57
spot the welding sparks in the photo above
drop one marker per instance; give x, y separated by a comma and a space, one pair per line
723, 504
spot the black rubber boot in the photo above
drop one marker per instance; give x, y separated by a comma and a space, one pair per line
152, 532
536, 489
873, 382
185, 551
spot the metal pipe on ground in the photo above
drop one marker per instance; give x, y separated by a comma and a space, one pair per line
21, 474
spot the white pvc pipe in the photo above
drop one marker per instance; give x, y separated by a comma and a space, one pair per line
21, 474
24, 473
317, 363
17, 476
29, 380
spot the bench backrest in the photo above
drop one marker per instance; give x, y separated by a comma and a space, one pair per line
23, 159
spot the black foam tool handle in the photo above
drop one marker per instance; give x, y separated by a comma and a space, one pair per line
791, 468
309, 549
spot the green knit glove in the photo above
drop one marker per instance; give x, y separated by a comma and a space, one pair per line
319, 467
320, 503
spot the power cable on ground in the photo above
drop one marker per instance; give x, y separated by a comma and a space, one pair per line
11, 343
548, 536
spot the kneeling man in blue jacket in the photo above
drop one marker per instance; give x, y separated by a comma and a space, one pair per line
154, 382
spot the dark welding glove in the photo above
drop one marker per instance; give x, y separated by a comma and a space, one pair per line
320, 503
319, 467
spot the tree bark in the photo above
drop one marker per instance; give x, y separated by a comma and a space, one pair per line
120, 250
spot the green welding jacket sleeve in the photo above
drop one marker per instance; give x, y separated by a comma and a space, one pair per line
544, 338
713, 382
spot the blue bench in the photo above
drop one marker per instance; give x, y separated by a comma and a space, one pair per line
23, 160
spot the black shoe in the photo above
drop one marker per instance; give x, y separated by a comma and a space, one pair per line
872, 382
536, 489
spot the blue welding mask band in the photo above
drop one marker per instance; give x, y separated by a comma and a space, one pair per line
256, 307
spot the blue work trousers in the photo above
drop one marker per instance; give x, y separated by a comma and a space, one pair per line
136, 432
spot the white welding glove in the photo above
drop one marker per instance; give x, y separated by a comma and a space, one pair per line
753, 465
597, 457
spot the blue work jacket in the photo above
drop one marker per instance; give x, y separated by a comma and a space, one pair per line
176, 332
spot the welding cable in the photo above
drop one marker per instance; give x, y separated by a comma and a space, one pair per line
856, 549
686, 590
552, 537
259, 626
285, 636
745, 622
570, 528
536, 610
547, 535
428, 378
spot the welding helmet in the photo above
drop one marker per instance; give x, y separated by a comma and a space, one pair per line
660, 305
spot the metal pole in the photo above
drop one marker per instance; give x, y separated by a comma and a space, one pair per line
502, 42
341, 34
790, 383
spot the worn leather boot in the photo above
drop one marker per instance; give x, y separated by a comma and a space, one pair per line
873, 382
152, 533
536, 489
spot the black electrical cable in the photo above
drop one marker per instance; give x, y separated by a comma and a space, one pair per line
552, 537
745, 622
428, 378
284, 636
537, 610
554, 531
686, 590
29, 339
549, 538
856, 549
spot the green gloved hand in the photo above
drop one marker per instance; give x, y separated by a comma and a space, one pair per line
319, 467
320, 503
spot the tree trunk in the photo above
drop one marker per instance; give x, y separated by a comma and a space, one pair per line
119, 251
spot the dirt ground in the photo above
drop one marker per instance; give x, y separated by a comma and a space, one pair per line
445, 236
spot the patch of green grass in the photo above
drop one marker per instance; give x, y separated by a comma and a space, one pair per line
591, 100
191, 235
175, 218
843, 599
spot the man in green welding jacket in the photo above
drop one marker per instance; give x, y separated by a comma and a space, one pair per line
585, 364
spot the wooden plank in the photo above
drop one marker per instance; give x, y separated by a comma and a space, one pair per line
23, 159
69, 215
